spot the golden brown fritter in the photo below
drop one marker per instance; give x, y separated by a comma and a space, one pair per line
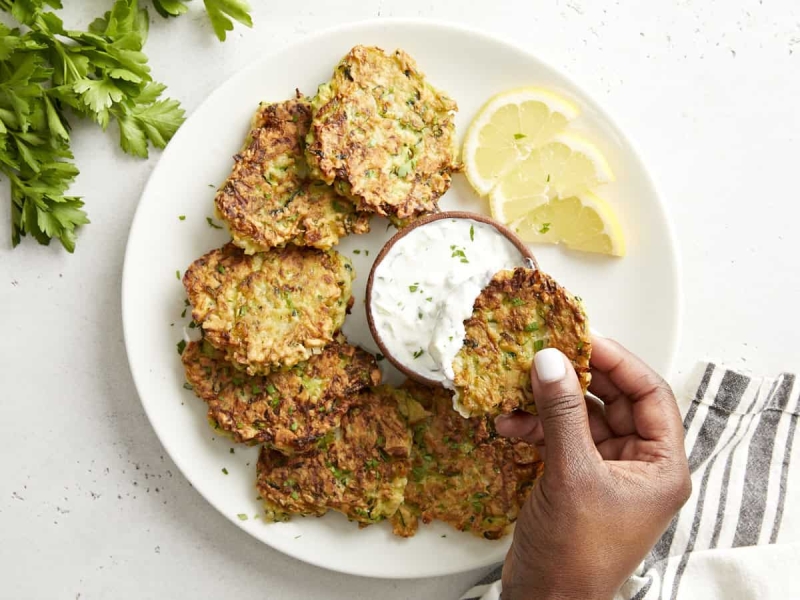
462, 473
382, 135
289, 411
269, 310
270, 200
516, 315
359, 469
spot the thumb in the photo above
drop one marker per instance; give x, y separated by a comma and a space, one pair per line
562, 411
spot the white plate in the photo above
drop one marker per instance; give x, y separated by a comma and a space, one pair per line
635, 300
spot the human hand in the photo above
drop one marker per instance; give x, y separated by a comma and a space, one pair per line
614, 476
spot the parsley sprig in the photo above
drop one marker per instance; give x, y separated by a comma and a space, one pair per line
49, 73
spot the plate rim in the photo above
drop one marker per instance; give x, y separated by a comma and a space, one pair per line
354, 27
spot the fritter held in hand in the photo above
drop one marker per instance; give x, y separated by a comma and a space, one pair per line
359, 469
269, 310
519, 313
290, 410
382, 135
270, 200
462, 473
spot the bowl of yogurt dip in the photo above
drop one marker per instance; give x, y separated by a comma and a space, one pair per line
423, 285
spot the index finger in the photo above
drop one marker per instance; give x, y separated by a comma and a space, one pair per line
655, 410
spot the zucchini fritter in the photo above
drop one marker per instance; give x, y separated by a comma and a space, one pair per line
382, 135
286, 410
462, 473
516, 315
269, 310
359, 469
269, 199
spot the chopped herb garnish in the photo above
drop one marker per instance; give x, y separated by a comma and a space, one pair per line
548, 178
211, 185
232, 451
255, 389
188, 386
429, 299
224, 470
295, 495
519, 136
544, 228
538, 345
212, 224
419, 314
458, 253
372, 463
293, 426
517, 302
413, 288
472, 233
243, 311
419, 353
183, 314
192, 325
221, 269
531, 327
182, 217
178, 275
356, 251
181, 345
379, 357
366, 252
242, 517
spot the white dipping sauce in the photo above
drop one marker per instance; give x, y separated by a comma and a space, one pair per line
426, 286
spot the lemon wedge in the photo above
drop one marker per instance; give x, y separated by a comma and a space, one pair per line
506, 130
583, 222
566, 166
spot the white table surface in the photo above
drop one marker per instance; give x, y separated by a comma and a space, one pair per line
91, 507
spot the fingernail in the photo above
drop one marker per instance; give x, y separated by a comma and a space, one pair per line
549, 364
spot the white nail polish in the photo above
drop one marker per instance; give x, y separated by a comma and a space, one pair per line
549, 365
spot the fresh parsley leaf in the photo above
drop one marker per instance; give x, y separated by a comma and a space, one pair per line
170, 8
155, 123
519, 136
472, 233
544, 228
220, 13
211, 223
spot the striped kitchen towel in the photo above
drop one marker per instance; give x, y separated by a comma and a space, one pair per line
738, 536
